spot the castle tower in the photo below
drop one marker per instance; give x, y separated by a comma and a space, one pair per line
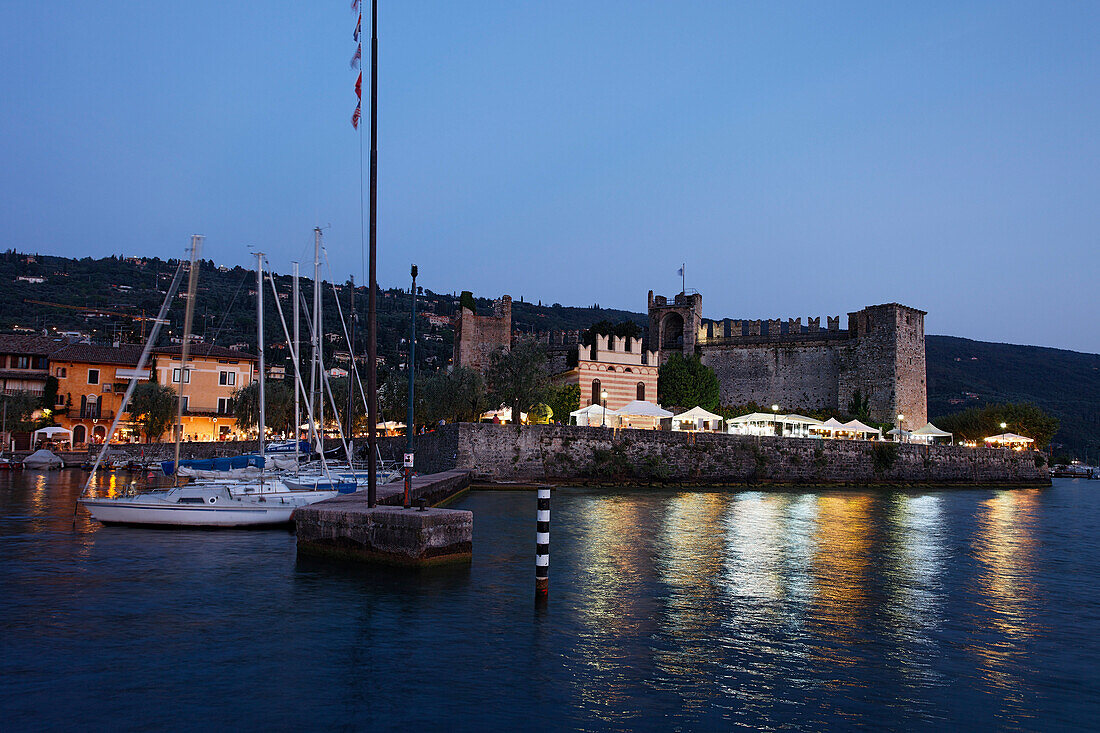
888, 363
675, 326
477, 337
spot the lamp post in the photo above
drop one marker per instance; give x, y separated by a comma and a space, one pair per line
775, 419
901, 428
409, 428
1004, 431
603, 413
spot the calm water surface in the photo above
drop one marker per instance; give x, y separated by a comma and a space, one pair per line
668, 611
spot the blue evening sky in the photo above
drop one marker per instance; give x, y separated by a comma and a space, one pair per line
801, 158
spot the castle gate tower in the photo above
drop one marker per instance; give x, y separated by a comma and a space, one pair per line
674, 327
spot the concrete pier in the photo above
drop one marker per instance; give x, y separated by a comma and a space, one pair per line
345, 527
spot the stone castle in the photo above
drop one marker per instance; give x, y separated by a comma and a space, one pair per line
881, 354
787, 363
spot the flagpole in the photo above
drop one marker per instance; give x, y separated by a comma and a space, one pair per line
683, 279
372, 304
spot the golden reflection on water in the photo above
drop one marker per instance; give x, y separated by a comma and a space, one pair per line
840, 567
616, 535
1004, 545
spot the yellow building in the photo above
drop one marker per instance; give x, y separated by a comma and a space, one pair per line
213, 374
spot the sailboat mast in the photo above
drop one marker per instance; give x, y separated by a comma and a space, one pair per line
315, 365
188, 318
295, 350
260, 348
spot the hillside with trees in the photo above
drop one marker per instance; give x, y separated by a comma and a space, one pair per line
106, 297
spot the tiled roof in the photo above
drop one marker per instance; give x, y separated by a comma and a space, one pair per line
35, 345
217, 352
126, 354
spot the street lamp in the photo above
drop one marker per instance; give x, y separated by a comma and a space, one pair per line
901, 427
775, 419
1004, 434
603, 414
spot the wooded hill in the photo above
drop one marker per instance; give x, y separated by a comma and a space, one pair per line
961, 373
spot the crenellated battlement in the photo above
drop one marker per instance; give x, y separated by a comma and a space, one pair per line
767, 330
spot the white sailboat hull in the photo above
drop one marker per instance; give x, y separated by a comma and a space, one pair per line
117, 511
196, 505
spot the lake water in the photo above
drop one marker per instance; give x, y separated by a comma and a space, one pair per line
668, 610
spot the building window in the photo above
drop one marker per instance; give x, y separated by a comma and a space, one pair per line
184, 401
225, 405
93, 376
227, 378
186, 376
641, 390
61, 372
20, 362
595, 392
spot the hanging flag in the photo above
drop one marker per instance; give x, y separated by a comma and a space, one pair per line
358, 28
359, 86
358, 55
680, 272
355, 118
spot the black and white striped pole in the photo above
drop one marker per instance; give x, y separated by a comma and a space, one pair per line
542, 544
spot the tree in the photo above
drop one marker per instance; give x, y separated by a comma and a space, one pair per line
563, 400
685, 382
622, 329
518, 377
153, 406
21, 408
466, 300
1024, 418
859, 406
278, 406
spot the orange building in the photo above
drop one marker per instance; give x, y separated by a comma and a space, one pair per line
92, 380
213, 374
90, 383
616, 364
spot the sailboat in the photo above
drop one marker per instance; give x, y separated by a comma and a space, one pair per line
207, 504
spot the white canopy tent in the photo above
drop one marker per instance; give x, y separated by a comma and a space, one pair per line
797, 426
1009, 440
697, 419
53, 433
593, 416
830, 428
642, 414
928, 434
755, 423
862, 429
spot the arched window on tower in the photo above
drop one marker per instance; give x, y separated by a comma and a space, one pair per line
595, 392
641, 390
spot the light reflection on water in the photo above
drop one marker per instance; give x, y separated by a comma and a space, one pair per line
693, 610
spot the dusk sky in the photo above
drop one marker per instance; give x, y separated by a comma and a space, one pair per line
802, 159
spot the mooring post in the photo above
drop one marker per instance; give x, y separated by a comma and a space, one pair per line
542, 543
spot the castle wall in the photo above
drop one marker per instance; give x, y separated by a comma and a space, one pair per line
794, 376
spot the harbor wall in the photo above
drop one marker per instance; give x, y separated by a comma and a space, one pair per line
589, 455
570, 454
